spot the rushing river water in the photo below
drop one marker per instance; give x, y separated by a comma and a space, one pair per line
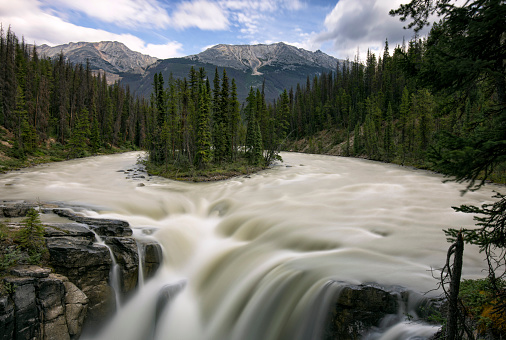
251, 254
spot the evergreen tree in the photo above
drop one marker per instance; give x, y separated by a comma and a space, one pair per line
235, 120
95, 134
203, 153
78, 141
388, 146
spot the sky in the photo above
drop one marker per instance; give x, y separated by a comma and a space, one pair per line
175, 28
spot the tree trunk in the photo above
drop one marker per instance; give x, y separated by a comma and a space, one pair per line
455, 273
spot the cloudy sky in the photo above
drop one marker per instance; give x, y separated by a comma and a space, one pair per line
172, 28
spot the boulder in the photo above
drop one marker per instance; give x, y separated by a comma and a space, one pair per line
76, 307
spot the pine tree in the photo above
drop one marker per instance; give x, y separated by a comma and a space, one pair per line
388, 145
235, 119
95, 134
78, 141
203, 153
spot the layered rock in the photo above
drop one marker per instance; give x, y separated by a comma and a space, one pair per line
40, 304
87, 265
14, 209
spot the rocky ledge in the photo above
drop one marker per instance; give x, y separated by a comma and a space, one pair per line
76, 292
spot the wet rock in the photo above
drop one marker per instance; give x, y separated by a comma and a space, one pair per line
125, 253
51, 302
357, 309
103, 227
78, 230
43, 305
166, 295
152, 257
361, 308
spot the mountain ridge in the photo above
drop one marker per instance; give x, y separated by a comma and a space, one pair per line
257, 56
275, 66
109, 56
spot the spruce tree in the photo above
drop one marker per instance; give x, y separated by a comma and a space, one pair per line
203, 142
78, 141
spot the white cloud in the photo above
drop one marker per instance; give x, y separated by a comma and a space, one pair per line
201, 14
169, 50
126, 13
27, 19
364, 25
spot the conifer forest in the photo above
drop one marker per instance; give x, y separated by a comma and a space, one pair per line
436, 102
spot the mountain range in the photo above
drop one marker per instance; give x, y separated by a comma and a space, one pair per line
276, 66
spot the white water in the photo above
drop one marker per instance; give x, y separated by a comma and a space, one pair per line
114, 276
256, 252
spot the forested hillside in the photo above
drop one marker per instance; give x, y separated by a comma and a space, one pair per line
389, 109
51, 109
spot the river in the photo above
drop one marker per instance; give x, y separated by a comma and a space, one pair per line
254, 252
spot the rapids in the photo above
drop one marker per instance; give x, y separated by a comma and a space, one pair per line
251, 254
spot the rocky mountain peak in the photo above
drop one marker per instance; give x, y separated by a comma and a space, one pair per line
254, 57
110, 56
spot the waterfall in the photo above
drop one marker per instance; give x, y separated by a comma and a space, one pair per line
140, 251
257, 253
115, 274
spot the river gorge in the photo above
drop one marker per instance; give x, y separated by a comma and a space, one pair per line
258, 256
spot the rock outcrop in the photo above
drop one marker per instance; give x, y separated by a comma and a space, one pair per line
86, 264
360, 309
43, 303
